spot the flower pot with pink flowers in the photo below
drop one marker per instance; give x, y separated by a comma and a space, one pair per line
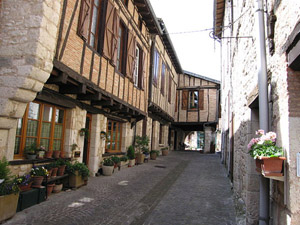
269, 157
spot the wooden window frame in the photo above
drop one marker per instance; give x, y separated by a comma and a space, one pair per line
25, 119
170, 88
163, 78
138, 71
192, 105
121, 48
156, 59
119, 125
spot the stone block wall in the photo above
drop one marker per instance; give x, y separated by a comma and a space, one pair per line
28, 31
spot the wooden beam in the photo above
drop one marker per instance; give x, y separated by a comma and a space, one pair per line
60, 79
71, 89
97, 96
103, 103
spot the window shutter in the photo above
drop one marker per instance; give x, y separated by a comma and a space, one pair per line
115, 37
201, 99
84, 19
170, 87
130, 55
109, 32
185, 94
143, 66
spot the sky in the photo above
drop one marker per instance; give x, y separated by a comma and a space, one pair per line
197, 52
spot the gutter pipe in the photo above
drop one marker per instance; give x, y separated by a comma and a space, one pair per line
263, 107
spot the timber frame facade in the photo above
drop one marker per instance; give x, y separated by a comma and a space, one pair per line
104, 66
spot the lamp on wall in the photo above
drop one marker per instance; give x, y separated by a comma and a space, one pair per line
102, 134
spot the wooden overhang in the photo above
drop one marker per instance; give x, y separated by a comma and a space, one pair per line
158, 113
193, 126
145, 9
169, 46
219, 9
89, 96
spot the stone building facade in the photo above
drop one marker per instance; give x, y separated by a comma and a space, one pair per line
236, 29
73, 69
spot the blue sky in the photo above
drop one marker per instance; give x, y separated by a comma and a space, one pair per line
197, 52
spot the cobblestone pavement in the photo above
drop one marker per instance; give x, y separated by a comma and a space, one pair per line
181, 188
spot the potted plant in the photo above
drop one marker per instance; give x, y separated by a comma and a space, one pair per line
141, 145
131, 156
48, 154
41, 152
153, 154
269, 157
117, 162
78, 172
58, 187
24, 182
124, 160
9, 192
61, 164
56, 154
38, 174
108, 167
30, 151
165, 151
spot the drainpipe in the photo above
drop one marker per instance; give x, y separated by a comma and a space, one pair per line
263, 107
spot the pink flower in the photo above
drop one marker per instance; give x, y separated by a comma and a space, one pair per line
271, 136
260, 132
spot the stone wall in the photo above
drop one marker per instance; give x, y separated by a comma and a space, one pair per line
239, 80
28, 31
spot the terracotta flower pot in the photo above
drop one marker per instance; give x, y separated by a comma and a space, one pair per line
153, 156
164, 152
56, 154
48, 154
37, 181
25, 187
54, 172
50, 189
272, 166
61, 170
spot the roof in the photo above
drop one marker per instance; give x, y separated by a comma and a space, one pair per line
169, 45
219, 9
148, 15
201, 77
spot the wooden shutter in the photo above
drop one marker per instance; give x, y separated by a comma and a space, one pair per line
143, 74
170, 87
116, 28
109, 32
185, 95
201, 99
84, 19
131, 46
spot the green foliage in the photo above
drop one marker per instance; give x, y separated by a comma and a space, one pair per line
266, 149
82, 169
8, 184
131, 152
60, 162
4, 170
165, 148
141, 144
108, 162
154, 151
124, 158
31, 150
115, 159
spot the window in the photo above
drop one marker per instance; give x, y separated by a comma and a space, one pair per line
163, 71
42, 124
114, 136
138, 70
170, 88
155, 66
121, 56
193, 100
89, 21
140, 23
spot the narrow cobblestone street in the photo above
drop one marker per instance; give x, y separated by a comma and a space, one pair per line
182, 188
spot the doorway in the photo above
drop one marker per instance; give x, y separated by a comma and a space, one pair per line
87, 138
